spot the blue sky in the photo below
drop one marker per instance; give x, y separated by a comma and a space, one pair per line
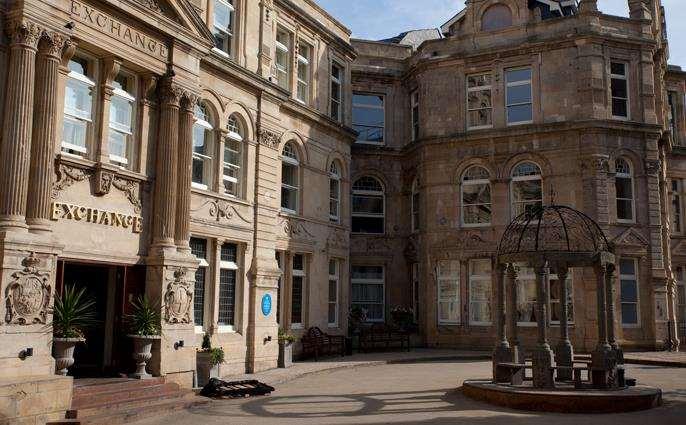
377, 19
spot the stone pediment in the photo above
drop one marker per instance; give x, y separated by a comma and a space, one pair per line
631, 237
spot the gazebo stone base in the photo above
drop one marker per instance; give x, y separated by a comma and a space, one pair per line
563, 400
542, 366
504, 354
564, 356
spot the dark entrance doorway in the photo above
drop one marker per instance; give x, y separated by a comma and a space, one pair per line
107, 351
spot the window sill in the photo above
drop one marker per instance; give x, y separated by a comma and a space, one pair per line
297, 326
217, 195
362, 142
514, 124
477, 226
226, 329
221, 53
289, 212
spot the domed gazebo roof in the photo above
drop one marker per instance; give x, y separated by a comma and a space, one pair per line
554, 233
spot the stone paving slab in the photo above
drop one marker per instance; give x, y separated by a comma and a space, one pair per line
278, 376
657, 358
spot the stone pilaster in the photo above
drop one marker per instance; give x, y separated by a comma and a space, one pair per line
185, 170
17, 125
43, 142
165, 168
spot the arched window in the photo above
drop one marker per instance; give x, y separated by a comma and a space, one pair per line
233, 157
290, 178
526, 188
415, 205
368, 206
476, 197
202, 148
496, 17
624, 190
334, 192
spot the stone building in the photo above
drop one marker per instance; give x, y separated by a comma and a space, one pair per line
250, 166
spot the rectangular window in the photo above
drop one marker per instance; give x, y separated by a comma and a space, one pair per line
619, 87
304, 57
232, 161
526, 296
78, 106
368, 291
519, 96
677, 206
223, 25
283, 59
556, 296
297, 291
228, 268
336, 92
479, 101
334, 198
628, 282
449, 292
415, 115
333, 293
480, 294
199, 249
202, 149
369, 118
121, 119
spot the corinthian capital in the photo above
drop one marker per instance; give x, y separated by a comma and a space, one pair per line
170, 93
53, 43
189, 100
23, 32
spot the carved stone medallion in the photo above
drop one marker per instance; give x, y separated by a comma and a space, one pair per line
178, 299
28, 294
269, 138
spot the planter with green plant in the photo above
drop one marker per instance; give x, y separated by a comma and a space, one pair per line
357, 316
145, 328
208, 361
286, 341
72, 313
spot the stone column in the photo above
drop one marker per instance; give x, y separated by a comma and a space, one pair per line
185, 170
602, 307
511, 312
166, 166
501, 352
564, 353
542, 355
18, 124
43, 142
601, 356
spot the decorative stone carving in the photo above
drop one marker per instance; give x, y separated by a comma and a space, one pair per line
67, 176
295, 229
178, 299
102, 182
131, 189
597, 163
337, 239
53, 43
150, 4
219, 210
269, 138
23, 32
653, 167
372, 244
630, 237
28, 294
170, 93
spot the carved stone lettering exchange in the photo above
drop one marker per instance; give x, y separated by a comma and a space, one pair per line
178, 299
28, 294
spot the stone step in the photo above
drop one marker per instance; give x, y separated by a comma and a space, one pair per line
157, 408
102, 398
96, 386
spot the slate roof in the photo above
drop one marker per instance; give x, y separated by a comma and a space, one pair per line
414, 38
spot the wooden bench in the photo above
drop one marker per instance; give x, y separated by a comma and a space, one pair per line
382, 336
317, 343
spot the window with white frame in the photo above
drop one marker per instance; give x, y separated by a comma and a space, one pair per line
628, 291
368, 291
121, 119
290, 177
681, 296
479, 101
334, 192
336, 91
556, 297
369, 118
333, 293
368, 212
223, 27
228, 270
677, 206
297, 291
480, 293
519, 106
526, 188
476, 197
78, 106
304, 57
415, 291
416, 206
414, 99
619, 88
199, 250
624, 187
283, 58
448, 292
233, 157
202, 148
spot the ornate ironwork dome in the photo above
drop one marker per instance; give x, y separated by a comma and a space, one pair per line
553, 230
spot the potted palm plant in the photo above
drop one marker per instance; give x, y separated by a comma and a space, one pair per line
145, 328
208, 361
286, 341
72, 313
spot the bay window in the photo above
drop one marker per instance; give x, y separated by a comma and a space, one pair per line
619, 88
78, 106
223, 27
290, 176
519, 104
121, 119
476, 197
283, 59
369, 118
304, 57
624, 190
199, 250
526, 189
228, 268
628, 291
202, 148
233, 155
479, 101
449, 292
368, 211
297, 291
480, 292
336, 95
334, 192
368, 287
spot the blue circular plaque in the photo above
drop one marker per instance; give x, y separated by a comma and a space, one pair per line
266, 304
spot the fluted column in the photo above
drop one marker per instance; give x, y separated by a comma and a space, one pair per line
165, 169
43, 143
17, 124
185, 170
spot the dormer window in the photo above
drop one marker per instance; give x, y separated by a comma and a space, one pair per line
496, 17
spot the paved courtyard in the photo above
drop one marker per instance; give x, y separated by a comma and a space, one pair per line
414, 393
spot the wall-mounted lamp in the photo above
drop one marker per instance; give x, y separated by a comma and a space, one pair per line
267, 339
178, 345
26, 352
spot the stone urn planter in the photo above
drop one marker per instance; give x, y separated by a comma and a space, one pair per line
285, 354
142, 353
63, 352
206, 367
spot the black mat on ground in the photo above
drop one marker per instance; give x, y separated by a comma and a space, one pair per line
216, 388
